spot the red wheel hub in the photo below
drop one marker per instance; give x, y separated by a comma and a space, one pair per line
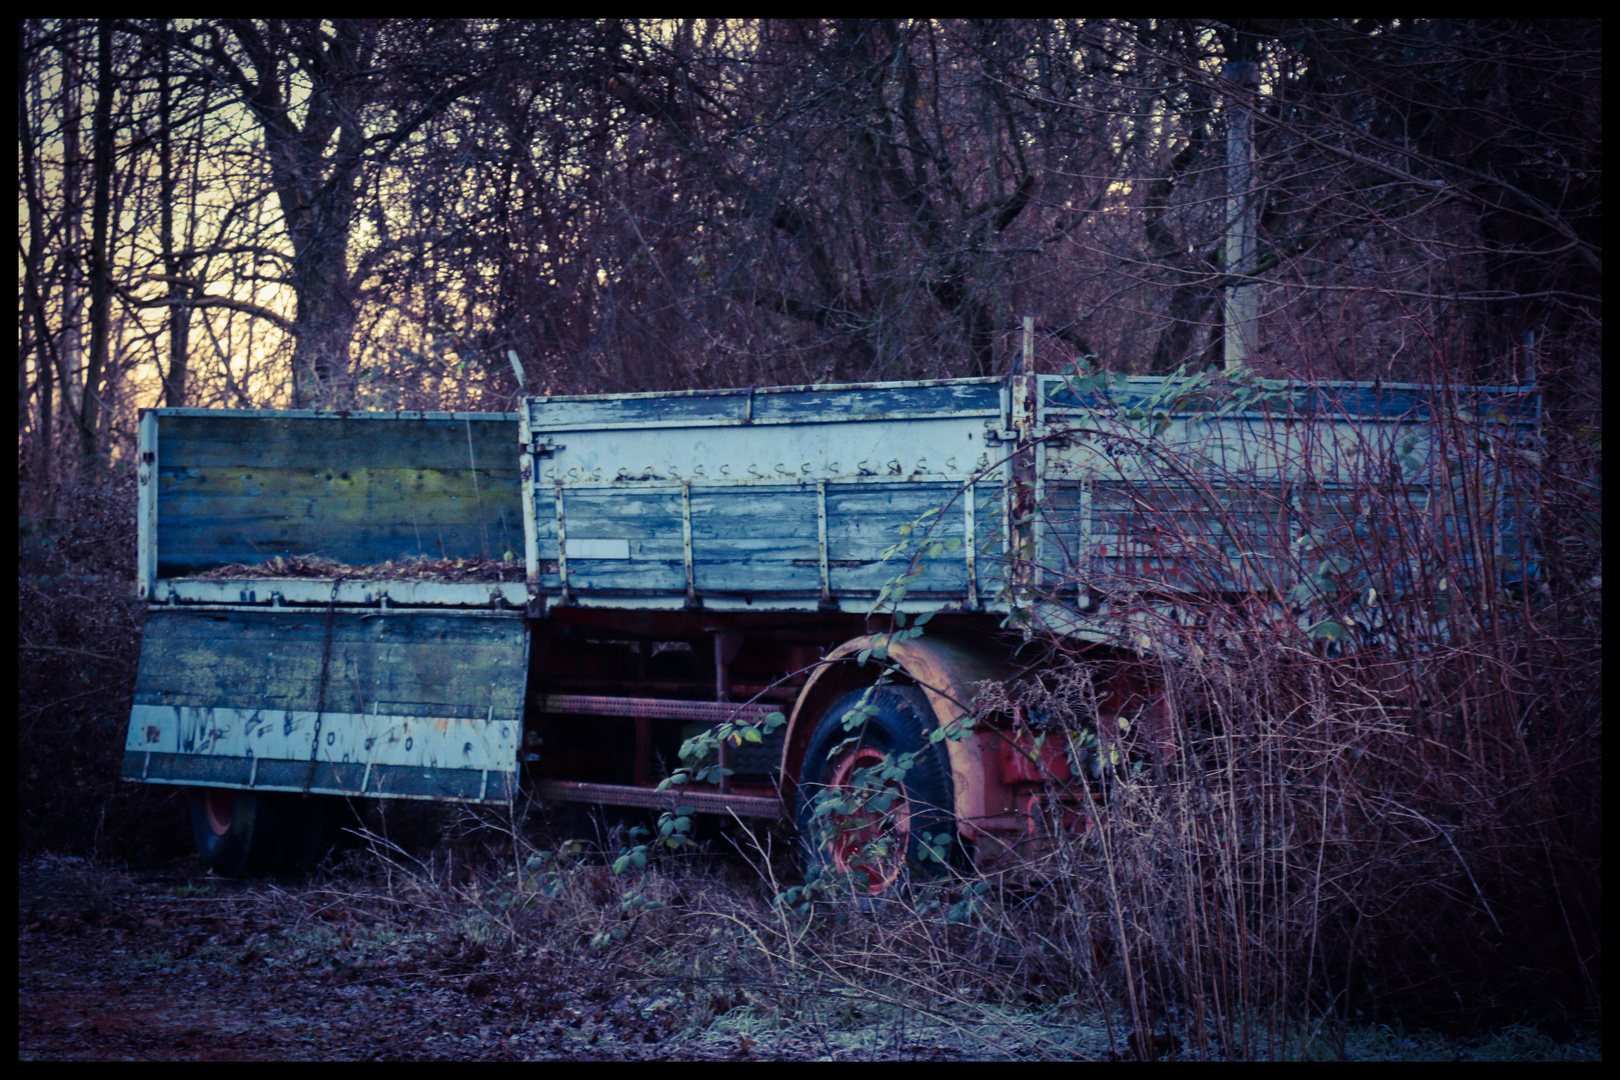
220, 805
868, 842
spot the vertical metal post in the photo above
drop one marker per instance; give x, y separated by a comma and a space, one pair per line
686, 543
562, 544
1037, 517
146, 484
528, 466
726, 645
1088, 550
1022, 511
969, 545
821, 540
722, 682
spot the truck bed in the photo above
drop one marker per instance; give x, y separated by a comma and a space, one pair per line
298, 640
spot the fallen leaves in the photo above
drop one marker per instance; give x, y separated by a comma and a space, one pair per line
412, 569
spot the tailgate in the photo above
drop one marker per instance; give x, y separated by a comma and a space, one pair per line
401, 704
379, 682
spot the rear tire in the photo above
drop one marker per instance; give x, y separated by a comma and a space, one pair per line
876, 850
241, 833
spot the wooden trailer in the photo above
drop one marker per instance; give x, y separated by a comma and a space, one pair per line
553, 601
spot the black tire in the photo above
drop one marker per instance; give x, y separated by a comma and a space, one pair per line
876, 852
242, 833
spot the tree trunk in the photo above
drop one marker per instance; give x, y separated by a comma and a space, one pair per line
174, 387
67, 352
35, 297
100, 283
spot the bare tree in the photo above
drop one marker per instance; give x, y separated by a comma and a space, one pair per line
381, 212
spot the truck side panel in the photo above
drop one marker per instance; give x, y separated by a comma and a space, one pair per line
241, 488
777, 498
407, 704
1206, 497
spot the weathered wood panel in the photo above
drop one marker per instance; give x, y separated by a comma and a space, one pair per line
768, 405
420, 664
1141, 481
1327, 399
760, 539
433, 701
357, 489
1270, 538
790, 492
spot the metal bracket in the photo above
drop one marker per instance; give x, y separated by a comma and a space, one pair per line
1039, 433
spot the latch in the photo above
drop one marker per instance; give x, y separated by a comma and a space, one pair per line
1055, 436
547, 448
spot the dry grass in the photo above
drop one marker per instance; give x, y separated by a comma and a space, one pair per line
697, 951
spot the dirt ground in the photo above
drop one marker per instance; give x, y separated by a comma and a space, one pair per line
169, 966
166, 965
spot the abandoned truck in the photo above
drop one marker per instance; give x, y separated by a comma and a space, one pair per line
449, 606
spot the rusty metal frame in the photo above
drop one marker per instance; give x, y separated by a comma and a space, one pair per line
712, 712
704, 802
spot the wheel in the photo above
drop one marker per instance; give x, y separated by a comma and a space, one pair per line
878, 841
241, 832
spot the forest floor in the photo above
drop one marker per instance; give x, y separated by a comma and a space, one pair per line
164, 964
168, 965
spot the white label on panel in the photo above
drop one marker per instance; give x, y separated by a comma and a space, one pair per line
584, 548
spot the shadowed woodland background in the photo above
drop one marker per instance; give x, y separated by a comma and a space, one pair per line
446, 214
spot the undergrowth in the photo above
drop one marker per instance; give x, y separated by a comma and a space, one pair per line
702, 940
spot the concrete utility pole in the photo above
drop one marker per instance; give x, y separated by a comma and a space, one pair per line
1240, 304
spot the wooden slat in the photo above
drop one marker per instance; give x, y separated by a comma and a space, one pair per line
768, 405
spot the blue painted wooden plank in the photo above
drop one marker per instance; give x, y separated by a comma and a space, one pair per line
1328, 399
767, 405
458, 662
246, 488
